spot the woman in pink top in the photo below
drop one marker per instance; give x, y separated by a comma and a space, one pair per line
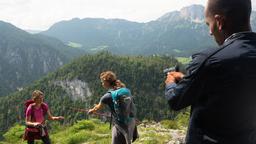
35, 119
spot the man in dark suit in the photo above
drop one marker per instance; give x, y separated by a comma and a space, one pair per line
220, 84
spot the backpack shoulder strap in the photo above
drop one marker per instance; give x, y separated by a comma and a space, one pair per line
120, 92
45, 108
32, 112
26, 104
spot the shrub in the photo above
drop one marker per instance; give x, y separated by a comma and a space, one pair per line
77, 138
84, 124
169, 124
14, 134
182, 119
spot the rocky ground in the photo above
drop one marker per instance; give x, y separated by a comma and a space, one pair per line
169, 136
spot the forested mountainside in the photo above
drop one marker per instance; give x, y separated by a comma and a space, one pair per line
77, 85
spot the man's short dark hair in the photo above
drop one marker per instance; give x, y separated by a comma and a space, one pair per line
237, 11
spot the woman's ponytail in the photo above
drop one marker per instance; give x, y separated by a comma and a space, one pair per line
110, 77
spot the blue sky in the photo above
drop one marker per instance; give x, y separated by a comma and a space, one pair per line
41, 14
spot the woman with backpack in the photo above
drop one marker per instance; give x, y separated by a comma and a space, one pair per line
35, 119
124, 130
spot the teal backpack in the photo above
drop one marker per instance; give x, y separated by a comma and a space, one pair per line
124, 106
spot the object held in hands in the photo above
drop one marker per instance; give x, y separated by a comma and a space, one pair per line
173, 74
171, 69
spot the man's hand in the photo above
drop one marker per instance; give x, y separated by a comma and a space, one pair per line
177, 75
170, 79
173, 77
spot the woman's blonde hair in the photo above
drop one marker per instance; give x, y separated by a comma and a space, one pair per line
36, 94
110, 77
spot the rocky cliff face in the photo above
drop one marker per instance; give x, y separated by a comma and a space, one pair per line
77, 89
195, 13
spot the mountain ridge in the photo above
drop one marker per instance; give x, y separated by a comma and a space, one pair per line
25, 57
179, 33
133, 38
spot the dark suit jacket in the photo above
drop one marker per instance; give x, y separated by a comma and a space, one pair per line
220, 87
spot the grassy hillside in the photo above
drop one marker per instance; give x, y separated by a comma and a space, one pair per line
96, 132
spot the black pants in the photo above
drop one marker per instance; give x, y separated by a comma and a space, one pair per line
45, 139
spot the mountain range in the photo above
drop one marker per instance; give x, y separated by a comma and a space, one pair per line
26, 57
179, 33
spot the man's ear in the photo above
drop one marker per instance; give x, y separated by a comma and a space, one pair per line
220, 21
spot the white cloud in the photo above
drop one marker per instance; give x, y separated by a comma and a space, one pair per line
41, 14
254, 4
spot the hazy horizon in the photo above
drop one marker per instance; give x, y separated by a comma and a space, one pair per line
40, 15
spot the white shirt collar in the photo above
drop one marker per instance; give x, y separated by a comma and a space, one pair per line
235, 34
